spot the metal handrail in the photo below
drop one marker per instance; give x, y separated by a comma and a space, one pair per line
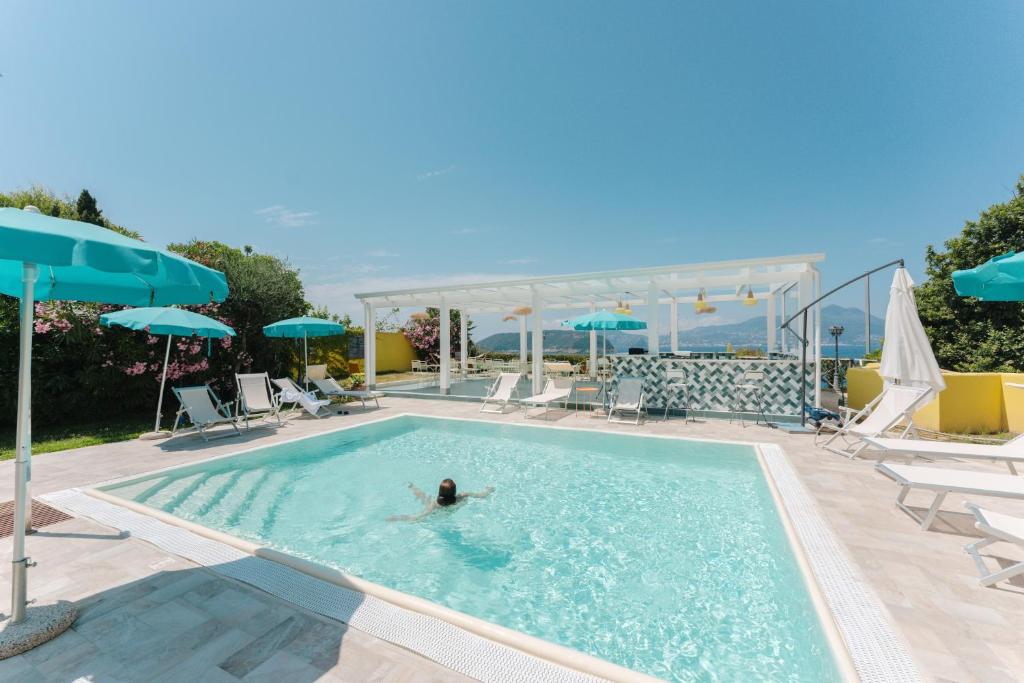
803, 337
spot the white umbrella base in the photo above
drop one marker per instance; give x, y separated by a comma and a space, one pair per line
153, 436
42, 623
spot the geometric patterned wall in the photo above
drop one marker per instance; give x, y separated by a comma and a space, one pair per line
711, 382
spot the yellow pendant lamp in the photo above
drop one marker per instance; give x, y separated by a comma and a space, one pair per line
623, 309
749, 299
700, 305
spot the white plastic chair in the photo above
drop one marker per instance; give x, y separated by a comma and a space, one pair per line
204, 410
894, 406
293, 393
256, 398
329, 387
997, 527
501, 392
555, 389
628, 399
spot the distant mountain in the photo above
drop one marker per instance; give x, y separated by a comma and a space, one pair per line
752, 331
555, 341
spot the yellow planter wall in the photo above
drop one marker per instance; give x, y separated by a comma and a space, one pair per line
972, 403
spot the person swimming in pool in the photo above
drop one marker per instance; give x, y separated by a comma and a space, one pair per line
447, 496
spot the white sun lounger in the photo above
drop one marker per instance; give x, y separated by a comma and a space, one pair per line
629, 399
500, 393
329, 387
204, 410
945, 481
997, 527
894, 406
555, 389
1011, 452
292, 393
256, 398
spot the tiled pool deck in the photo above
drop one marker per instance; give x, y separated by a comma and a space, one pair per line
148, 615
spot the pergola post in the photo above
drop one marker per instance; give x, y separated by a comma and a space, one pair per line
817, 339
771, 324
524, 352
370, 345
653, 331
804, 295
783, 344
445, 360
538, 342
592, 365
463, 342
673, 323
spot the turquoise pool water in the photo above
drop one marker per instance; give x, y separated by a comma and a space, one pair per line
662, 555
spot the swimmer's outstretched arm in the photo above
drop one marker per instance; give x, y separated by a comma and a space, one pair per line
424, 498
479, 494
409, 518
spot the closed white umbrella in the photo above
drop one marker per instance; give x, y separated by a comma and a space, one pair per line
907, 357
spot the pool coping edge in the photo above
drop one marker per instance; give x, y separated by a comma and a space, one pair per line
587, 666
802, 520
874, 647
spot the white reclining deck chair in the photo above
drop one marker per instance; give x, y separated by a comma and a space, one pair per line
555, 389
629, 399
204, 411
997, 527
256, 398
329, 387
945, 481
501, 392
1010, 452
293, 393
895, 405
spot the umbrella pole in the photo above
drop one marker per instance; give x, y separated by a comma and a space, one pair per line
305, 355
23, 446
163, 381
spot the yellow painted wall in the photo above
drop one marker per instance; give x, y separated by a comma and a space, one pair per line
394, 352
1013, 402
972, 403
862, 385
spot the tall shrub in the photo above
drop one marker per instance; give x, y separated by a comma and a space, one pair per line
969, 335
261, 289
83, 371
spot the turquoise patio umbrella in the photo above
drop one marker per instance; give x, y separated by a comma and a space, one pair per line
304, 328
604, 321
158, 320
47, 258
1001, 278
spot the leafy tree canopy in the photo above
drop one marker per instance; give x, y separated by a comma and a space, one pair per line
969, 335
261, 289
84, 363
84, 209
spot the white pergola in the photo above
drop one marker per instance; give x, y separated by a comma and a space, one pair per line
774, 280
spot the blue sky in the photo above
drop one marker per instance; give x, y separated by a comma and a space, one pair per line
378, 145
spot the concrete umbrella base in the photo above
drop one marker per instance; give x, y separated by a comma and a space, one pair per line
42, 623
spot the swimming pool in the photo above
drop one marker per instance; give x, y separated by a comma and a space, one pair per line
663, 555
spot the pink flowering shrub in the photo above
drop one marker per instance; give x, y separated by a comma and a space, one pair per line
96, 370
425, 335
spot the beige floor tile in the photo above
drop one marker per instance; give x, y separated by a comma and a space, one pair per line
954, 626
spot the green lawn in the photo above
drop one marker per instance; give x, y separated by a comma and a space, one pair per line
61, 437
